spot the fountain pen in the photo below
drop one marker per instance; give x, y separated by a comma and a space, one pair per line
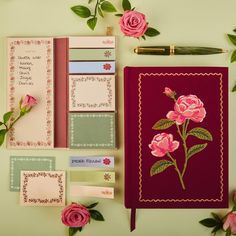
176, 50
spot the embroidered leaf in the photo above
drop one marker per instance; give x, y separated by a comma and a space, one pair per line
100, 12
96, 215
81, 11
195, 149
151, 32
232, 38
234, 88
233, 56
163, 124
108, 7
92, 205
201, 133
73, 231
2, 136
7, 116
209, 222
160, 166
92, 22
126, 5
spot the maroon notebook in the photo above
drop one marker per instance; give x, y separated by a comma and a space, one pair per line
176, 137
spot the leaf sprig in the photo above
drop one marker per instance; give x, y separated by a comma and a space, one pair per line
101, 6
232, 38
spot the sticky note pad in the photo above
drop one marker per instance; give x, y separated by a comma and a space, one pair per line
98, 54
92, 130
92, 176
92, 67
42, 188
92, 92
19, 163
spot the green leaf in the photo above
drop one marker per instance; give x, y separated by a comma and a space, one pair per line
163, 124
108, 7
143, 37
96, 215
234, 30
201, 133
2, 136
92, 205
217, 228
232, 38
216, 217
73, 231
160, 166
233, 56
126, 5
1, 123
151, 32
209, 222
234, 208
196, 149
92, 22
100, 12
234, 88
119, 15
90, 1
7, 116
81, 11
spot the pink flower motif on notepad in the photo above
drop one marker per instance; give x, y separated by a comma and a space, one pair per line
107, 54
107, 66
187, 107
106, 161
75, 215
162, 144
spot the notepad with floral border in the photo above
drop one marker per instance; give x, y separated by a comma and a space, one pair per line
176, 137
42, 188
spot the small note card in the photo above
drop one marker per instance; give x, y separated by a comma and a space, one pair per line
92, 176
92, 161
91, 191
42, 188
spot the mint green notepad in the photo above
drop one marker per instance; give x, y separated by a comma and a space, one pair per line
92, 130
19, 163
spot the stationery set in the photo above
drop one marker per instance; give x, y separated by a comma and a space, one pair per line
176, 131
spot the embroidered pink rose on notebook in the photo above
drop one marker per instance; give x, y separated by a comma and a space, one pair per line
162, 144
186, 108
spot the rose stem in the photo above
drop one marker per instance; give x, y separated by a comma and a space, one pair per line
177, 170
184, 137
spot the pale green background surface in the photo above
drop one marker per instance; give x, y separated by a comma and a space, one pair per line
181, 22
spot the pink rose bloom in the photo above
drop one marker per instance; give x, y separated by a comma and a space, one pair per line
230, 222
75, 215
27, 103
133, 24
163, 143
187, 107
